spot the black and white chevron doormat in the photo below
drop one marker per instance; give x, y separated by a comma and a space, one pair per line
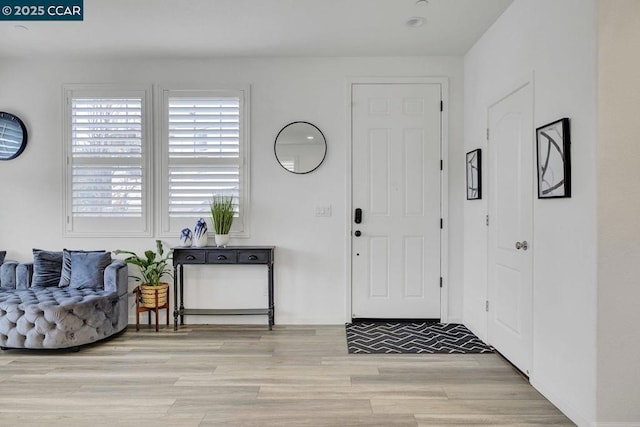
368, 337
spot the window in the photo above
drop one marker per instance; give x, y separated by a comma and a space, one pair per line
204, 153
106, 161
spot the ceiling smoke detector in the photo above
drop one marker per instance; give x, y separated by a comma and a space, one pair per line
415, 22
422, 2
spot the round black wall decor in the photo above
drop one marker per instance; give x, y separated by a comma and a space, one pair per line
13, 136
300, 147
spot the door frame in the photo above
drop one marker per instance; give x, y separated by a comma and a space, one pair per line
506, 91
444, 182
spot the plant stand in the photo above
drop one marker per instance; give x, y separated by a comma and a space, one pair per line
141, 308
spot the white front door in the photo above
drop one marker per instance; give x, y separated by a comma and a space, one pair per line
511, 227
396, 185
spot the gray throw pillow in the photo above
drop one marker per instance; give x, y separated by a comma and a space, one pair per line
47, 266
87, 269
65, 275
2, 255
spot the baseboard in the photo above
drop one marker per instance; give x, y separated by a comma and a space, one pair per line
385, 319
303, 321
455, 320
566, 408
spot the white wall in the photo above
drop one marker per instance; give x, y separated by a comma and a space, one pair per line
554, 41
618, 213
311, 254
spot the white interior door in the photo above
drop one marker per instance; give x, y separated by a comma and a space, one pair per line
396, 184
510, 226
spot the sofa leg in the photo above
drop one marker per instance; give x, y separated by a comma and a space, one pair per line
3, 348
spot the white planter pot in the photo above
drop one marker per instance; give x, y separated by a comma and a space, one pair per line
222, 240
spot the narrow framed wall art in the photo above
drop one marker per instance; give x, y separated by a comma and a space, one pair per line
474, 174
553, 143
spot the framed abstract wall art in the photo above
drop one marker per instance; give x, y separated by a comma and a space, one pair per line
553, 142
474, 174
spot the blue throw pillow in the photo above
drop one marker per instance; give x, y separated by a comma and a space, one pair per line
47, 267
65, 275
87, 269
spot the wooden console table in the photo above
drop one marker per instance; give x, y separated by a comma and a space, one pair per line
210, 255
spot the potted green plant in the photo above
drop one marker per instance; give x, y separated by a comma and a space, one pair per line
222, 217
153, 267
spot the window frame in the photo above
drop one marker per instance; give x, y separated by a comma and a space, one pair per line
108, 227
241, 226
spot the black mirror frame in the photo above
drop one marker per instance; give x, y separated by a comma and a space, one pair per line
275, 143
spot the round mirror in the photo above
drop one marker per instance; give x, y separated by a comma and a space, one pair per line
13, 136
300, 147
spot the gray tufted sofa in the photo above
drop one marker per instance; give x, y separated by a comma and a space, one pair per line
52, 317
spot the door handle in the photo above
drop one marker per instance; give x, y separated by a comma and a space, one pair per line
522, 245
358, 216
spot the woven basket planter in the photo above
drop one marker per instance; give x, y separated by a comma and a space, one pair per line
148, 295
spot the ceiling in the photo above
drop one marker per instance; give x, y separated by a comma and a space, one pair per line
257, 28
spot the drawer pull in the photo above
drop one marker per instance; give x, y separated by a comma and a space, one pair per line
253, 258
221, 258
190, 257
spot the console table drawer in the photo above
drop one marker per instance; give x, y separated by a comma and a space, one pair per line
189, 257
248, 257
222, 257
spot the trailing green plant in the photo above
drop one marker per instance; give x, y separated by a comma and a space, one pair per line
153, 265
222, 214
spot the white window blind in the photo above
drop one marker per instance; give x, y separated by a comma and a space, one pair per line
106, 153
204, 152
204, 155
106, 158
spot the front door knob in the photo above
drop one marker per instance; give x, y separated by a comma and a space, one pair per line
522, 245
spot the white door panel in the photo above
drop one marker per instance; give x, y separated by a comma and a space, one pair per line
510, 213
396, 183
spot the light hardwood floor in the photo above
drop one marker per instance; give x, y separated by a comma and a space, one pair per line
247, 375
